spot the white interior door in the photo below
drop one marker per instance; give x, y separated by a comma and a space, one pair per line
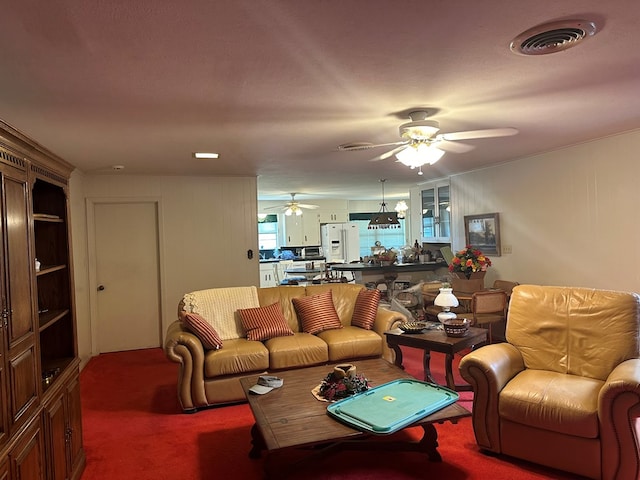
127, 275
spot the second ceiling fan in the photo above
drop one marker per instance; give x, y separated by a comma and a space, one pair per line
422, 144
293, 207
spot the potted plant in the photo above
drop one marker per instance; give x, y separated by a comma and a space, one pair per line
469, 267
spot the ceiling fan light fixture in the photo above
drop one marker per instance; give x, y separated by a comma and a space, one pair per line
293, 210
419, 154
419, 130
384, 219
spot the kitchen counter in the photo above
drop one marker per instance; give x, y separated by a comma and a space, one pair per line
365, 273
396, 267
295, 259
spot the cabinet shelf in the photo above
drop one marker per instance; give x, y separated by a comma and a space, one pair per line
50, 269
43, 217
50, 317
52, 369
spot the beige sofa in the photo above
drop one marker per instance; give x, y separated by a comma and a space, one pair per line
211, 377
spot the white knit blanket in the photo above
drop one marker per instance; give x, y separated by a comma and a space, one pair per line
219, 307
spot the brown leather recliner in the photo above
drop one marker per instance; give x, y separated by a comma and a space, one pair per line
564, 391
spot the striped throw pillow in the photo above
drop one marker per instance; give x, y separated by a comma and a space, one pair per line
202, 329
366, 308
263, 323
317, 312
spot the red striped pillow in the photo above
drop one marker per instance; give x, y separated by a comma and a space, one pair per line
366, 308
202, 329
263, 323
317, 312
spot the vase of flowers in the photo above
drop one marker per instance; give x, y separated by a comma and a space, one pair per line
469, 267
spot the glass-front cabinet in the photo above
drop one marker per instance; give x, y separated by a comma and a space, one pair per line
434, 216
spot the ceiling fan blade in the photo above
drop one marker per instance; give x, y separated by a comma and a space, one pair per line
390, 153
354, 146
488, 133
453, 147
310, 207
273, 207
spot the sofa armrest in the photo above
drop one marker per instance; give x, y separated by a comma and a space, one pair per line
619, 413
387, 320
488, 370
184, 348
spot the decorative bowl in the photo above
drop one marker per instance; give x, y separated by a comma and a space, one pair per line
413, 327
456, 327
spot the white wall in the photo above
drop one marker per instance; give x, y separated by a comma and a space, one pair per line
207, 226
571, 216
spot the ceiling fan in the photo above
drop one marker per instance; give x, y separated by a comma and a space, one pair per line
422, 144
293, 207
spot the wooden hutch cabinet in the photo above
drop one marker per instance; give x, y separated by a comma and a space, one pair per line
40, 415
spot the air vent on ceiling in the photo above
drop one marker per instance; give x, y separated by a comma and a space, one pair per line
552, 37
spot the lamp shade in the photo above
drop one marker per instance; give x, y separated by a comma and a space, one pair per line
446, 298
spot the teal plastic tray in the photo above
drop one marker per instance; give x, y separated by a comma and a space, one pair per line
392, 406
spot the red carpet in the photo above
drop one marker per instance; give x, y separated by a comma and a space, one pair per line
133, 428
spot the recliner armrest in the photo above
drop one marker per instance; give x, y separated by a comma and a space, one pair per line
488, 370
618, 414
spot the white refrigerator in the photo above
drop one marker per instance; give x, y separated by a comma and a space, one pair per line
341, 242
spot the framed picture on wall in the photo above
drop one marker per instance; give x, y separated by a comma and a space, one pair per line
483, 232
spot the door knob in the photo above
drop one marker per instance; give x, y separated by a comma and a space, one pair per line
100, 288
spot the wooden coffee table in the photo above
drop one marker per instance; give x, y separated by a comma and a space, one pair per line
291, 417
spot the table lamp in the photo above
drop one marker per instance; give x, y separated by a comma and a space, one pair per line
446, 299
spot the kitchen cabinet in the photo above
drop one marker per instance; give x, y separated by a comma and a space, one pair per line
300, 230
268, 274
431, 209
333, 216
39, 364
333, 211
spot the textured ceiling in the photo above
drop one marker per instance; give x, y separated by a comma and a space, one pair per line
274, 86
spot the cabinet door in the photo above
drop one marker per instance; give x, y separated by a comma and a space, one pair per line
18, 268
311, 230
267, 275
21, 373
292, 231
63, 427
27, 457
436, 214
4, 470
333, 216
74, 425
56, 428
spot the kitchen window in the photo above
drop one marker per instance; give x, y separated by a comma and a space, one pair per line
268, 233
388, 237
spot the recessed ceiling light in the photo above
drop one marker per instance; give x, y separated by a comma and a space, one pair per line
205, 155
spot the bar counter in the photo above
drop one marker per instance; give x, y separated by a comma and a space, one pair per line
395, 267
365, 272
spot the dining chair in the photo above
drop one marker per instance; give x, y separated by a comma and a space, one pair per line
505, 285
489, 307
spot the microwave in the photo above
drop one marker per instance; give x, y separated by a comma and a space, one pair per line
312, 252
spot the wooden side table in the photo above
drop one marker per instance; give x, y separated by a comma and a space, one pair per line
437, 341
